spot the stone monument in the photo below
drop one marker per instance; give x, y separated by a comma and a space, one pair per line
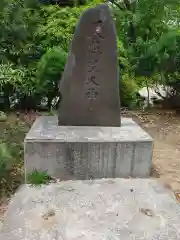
88, 140
90, 84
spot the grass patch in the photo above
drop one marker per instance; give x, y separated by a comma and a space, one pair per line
38, 177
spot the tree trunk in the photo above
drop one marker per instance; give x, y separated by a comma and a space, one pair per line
49, 103
147, 86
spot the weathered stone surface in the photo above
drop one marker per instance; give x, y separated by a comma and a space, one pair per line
83, 152
114, 209
90, 83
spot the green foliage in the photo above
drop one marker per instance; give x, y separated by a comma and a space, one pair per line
19, 46
49, 71
37, 178
147, 33
123, 57
60, 24
13, 81
10, 77
128, 90
18, 23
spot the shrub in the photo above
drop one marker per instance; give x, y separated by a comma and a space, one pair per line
49, 71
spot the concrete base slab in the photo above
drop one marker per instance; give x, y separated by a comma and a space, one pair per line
69, 152
124, 209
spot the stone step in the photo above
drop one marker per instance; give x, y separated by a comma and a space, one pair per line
93, 210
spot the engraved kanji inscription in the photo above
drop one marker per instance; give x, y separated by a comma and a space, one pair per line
92, 68
94, 51
92, 79
92, 62
94, 45
91, 94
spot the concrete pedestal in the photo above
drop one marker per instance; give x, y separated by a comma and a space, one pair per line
69, 152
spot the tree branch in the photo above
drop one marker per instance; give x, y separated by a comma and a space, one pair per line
116, 4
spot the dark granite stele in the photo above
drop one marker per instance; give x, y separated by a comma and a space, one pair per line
89, 86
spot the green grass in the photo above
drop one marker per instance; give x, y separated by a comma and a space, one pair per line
38, 178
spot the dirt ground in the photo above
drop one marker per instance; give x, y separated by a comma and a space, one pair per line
164, 127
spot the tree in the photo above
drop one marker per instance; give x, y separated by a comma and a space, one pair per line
144, 28
18, 24
20, 47
60, 23
147, 30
